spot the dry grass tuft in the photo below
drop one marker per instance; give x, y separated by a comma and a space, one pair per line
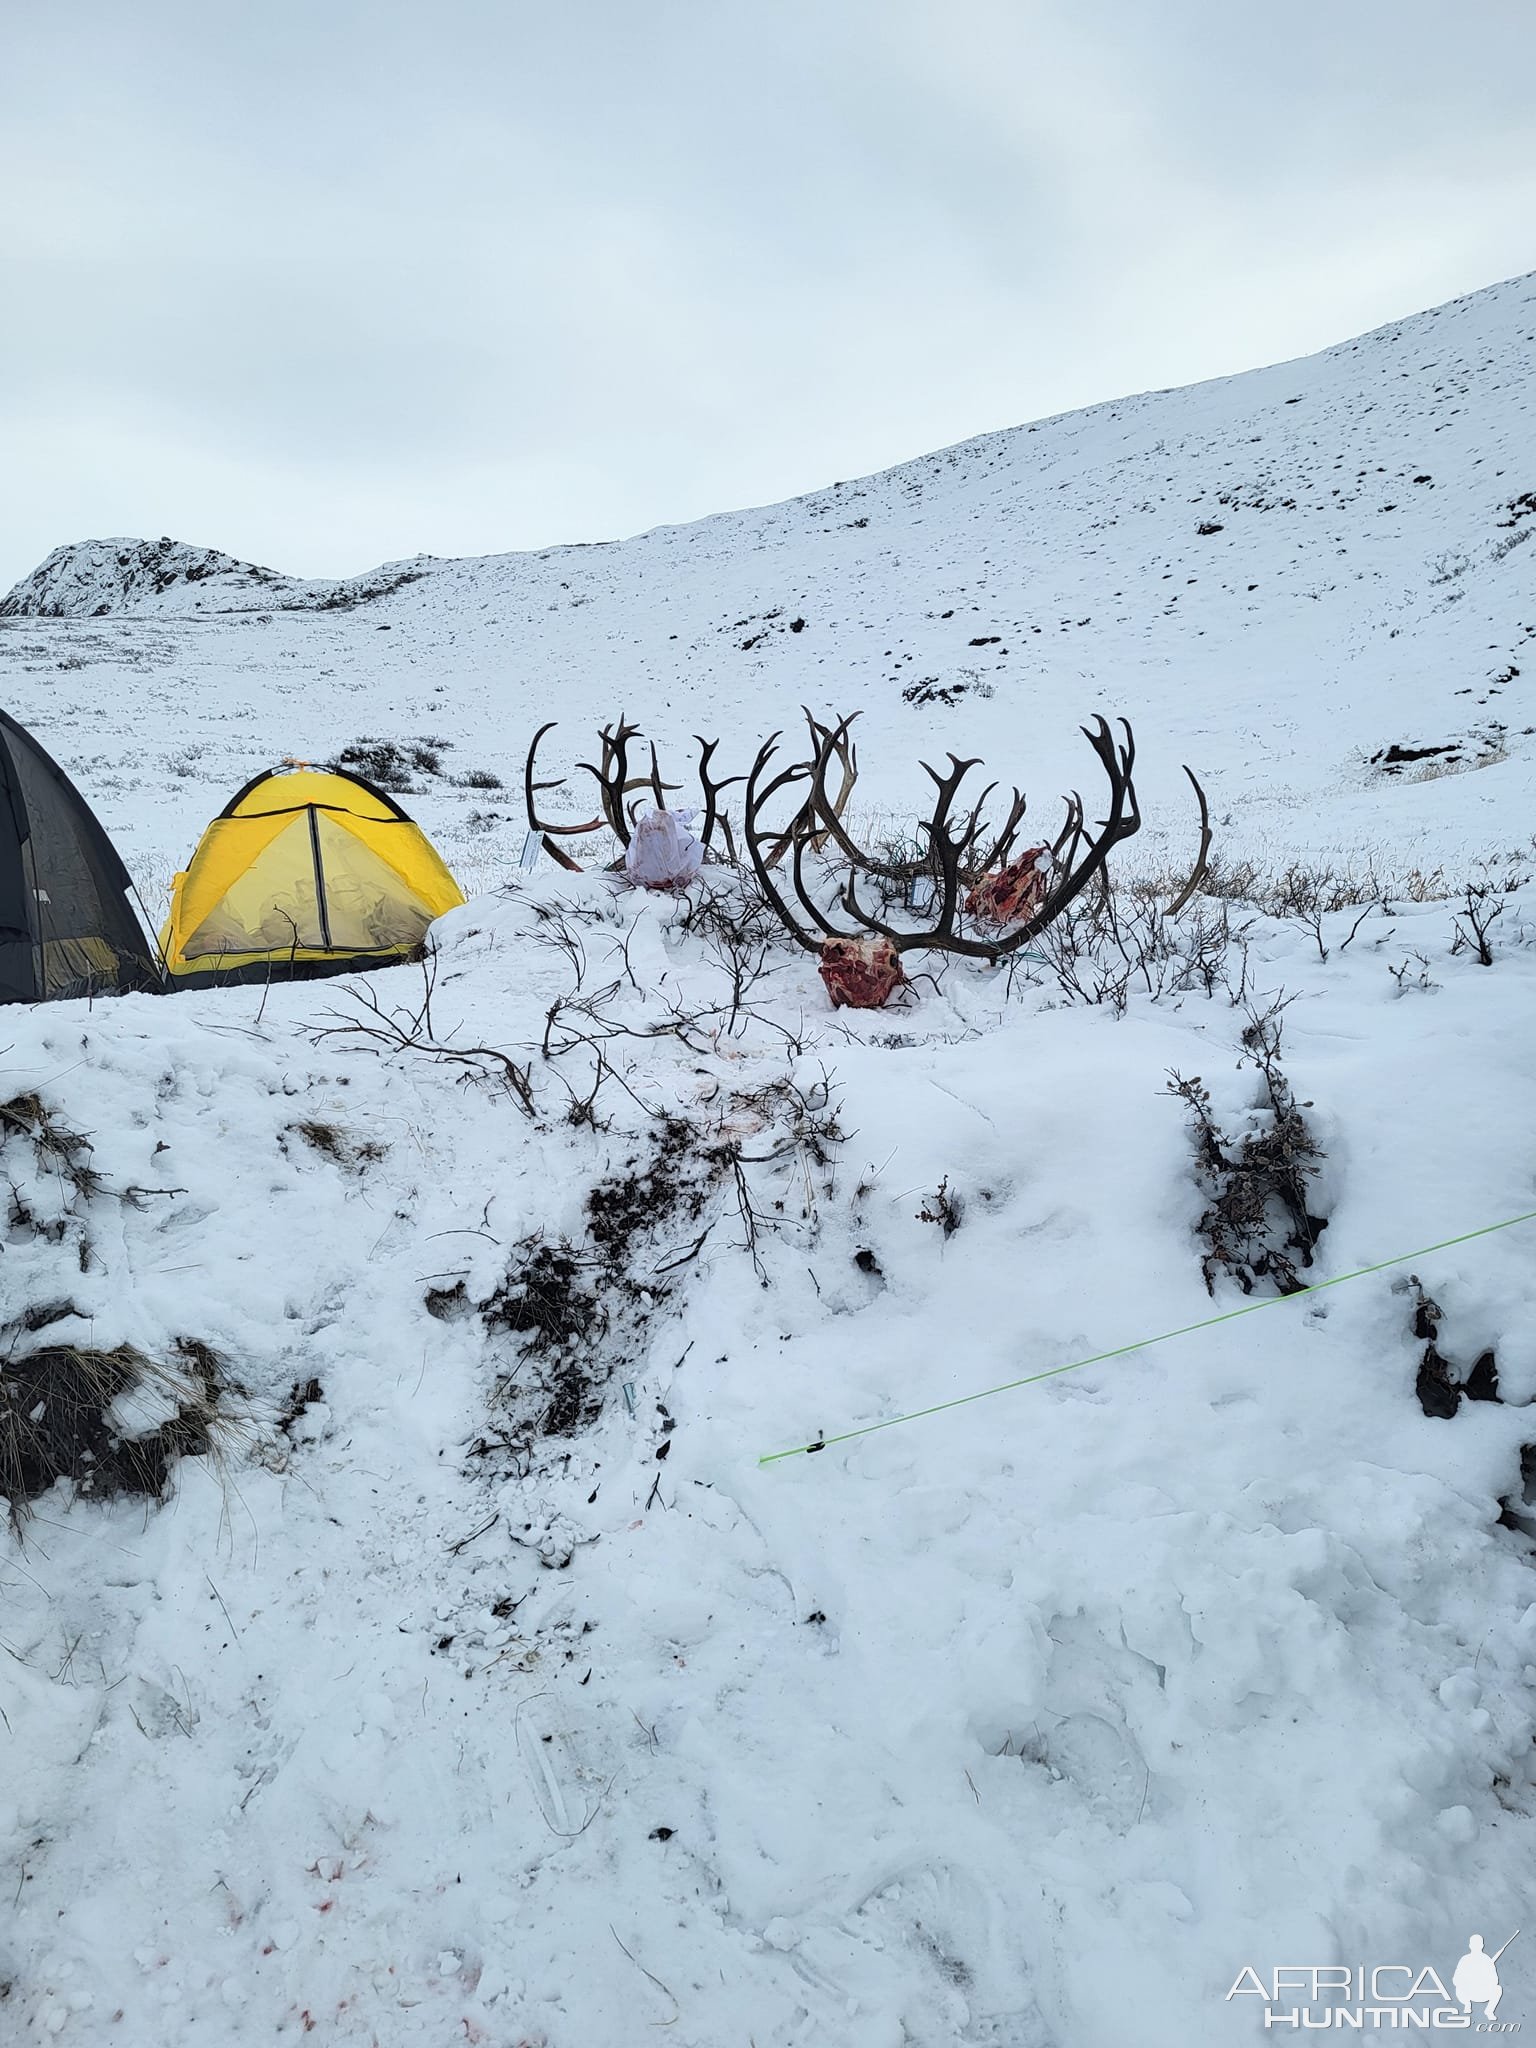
112, 1423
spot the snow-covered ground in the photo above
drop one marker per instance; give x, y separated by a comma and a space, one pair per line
506, 1697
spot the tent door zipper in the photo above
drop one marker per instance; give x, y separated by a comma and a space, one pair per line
320, 904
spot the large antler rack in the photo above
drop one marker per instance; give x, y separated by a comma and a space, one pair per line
620, 793
958, 850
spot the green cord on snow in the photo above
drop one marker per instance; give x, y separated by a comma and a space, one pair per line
1121, 1350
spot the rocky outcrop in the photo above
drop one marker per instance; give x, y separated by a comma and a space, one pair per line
98, 579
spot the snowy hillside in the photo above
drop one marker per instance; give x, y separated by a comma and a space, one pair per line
482, 1684
1362, 582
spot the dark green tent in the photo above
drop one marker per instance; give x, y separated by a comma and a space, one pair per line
66, 926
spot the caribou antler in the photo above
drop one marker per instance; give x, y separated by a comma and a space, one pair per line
713, 815
617, 791
959, 848
819, 817
531, 792
756, 836
1202, 858
614, 781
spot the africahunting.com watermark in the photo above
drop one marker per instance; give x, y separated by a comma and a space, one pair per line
1316, 1997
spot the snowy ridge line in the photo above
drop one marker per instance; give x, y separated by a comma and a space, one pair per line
1142, 1344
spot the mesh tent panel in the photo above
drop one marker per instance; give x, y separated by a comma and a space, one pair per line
84, 935
371, 907
269, 906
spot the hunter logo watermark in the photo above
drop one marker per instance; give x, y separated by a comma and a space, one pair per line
1316, 1997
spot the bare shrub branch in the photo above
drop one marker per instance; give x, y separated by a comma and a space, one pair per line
1258, 1224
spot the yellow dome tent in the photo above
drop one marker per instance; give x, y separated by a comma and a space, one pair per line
304, 873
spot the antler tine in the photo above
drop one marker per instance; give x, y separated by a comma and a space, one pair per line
823, 813
946, 850
825, 741
653, 783
615, 739
1202, 858
972, 832
1124, 818
1123, 821
849, 899
821, 734
1002, 846
1117, 761
1071, 834
713, 814
531, 789
820, 810
958, 770
827, 814
756, 798
619, 783
948, 787
602, 775
612, 777
812, 908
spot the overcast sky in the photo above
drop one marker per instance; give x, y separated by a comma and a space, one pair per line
326, 282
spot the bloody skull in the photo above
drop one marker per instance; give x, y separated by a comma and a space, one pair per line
860, 974
1014, 892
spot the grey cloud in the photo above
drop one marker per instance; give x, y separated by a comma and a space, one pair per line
321, 285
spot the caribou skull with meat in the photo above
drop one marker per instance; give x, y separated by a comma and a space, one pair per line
985, 895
